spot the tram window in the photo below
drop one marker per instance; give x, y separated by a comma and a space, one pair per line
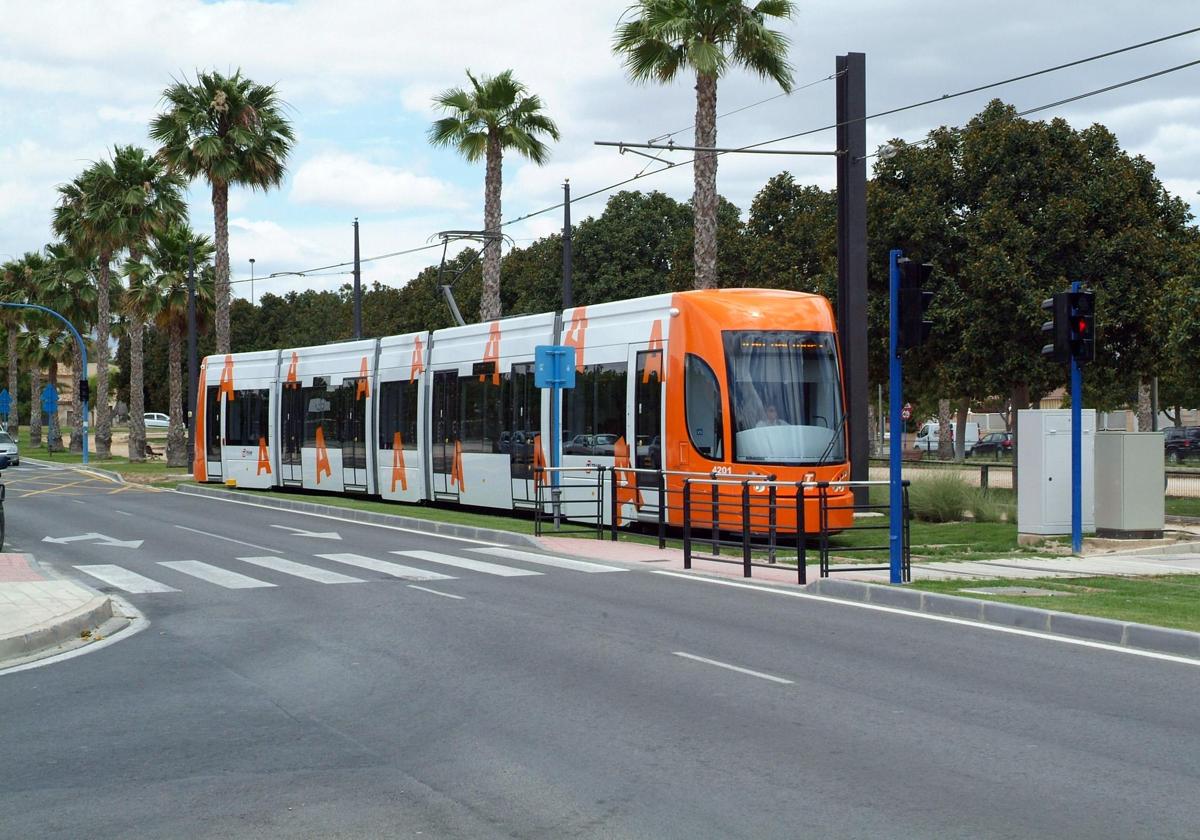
212, 431
350, 410
480, 406
246, 418
647, 418
596, 405
702, 399
398, 413
320, 411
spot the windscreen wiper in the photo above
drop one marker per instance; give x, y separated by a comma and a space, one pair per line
832, 440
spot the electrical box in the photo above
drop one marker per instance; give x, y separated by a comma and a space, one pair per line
1044, 471
1130, 478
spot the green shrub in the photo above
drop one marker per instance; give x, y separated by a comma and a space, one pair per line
939, 499
987, 506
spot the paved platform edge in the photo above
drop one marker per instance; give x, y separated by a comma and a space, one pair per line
446, 529
37, 641
109, 474
1121, 633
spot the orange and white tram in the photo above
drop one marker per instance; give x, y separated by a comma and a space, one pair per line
728, 382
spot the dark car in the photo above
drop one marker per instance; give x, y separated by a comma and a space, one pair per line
994, 443
1182, 443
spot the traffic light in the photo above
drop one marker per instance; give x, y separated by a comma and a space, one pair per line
1056, 331
914, 300
1081, 308
85, 392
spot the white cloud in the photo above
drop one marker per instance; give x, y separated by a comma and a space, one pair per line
343, 180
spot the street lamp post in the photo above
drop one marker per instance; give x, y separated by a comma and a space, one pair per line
252, 280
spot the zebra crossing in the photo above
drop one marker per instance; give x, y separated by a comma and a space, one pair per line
178, 573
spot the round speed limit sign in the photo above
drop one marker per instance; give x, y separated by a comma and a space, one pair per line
906, 412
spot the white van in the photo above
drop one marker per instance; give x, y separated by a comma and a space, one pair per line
927, 437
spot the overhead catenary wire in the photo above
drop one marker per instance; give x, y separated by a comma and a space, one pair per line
831, 126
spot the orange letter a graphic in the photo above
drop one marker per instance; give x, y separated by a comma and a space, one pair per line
264, 458
398, 463
322, 456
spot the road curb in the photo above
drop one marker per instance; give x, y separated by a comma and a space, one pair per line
1122, 633
37, 640
445, 529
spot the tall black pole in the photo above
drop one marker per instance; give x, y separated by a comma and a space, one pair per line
357, 287
192, 362
567, 292
852, 255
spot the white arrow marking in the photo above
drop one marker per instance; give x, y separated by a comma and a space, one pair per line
99, 538
300, 532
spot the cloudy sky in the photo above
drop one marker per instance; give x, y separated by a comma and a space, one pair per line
78, 76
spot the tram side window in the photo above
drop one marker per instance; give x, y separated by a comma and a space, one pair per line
595, 407
702, 400
480, 406
321, 411
398, 413
246, 418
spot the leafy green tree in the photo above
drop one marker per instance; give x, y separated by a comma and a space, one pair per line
661, 38
231, 131
495, 115
791, 237
69, 289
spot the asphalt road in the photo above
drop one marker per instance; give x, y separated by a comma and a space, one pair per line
559, 704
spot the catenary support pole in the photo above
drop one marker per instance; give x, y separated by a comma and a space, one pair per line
568, 293
357, 286
1076, 450
852, 256
895, 407
193, 364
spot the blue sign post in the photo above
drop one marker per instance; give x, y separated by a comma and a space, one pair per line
82, 356
50, 399
554, 368
5, 404
895, 408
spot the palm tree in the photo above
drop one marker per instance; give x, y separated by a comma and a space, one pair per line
231, 131
74, 296
10, 289
166, 277
706, 36
89, 220
496, 114
151, 200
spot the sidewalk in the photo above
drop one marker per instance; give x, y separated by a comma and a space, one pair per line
1180, 562
41, 615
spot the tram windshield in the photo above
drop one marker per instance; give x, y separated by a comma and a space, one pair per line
786, 397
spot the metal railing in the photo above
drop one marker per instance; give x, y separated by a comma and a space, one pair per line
826, 550
578, 504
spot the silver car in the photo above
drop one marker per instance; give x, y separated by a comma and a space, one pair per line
8, 447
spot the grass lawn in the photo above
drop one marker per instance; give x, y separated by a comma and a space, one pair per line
144, 472
1167, 601
1181, 506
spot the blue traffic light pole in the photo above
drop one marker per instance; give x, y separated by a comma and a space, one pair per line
895, 408
82, 357
1076, 448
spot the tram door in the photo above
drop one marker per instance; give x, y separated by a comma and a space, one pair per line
646, 408
213, 405
291, 432
521, 433
354, 435
444, 446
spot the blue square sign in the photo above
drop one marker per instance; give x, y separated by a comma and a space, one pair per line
554, 366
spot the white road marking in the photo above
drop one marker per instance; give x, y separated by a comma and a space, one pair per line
435, 592
227, 539
125, 579
727, 666
465, 563
337, 519
215, 574
289, 567
122, 512
300, 532
385, 566
995, 628
548, 560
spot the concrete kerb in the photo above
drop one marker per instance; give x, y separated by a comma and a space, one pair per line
1122, 633
109, 474
36, 642
447, 529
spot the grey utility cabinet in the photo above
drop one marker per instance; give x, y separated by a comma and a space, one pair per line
1044, 471
1129, 485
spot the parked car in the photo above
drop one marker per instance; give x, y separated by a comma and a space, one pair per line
8, 451
927, 437
1182, 443
155, 420
994, 443
579, 445
604, 445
